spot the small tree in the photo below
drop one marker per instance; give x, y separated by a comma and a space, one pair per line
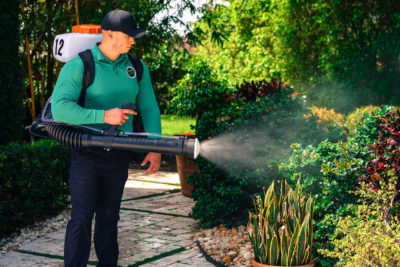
11, 108
199, 91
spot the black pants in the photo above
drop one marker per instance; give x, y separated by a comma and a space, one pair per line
97, 180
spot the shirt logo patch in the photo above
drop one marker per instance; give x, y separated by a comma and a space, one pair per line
131, 72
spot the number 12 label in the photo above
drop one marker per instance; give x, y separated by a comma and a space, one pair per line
59, 46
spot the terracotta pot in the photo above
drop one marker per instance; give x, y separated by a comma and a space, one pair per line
185, 167
256, 264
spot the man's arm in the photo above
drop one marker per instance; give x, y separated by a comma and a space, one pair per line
148, 107
147, 104
64, 106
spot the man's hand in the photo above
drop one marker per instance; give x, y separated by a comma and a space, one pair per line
117, 116
155, 161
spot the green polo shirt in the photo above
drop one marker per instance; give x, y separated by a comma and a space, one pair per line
111, 88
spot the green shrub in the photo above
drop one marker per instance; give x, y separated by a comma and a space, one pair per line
334, 167
331, 170
354, 118
328, 117
369, 129
199, 91
268, 124
328, 171
372, 236
33, 181
221, 198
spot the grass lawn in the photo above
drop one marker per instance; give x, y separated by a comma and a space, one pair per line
172, 124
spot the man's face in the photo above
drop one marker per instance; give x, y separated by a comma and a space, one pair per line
122, 42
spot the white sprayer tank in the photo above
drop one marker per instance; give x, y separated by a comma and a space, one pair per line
68, 45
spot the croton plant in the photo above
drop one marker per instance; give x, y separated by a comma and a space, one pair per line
386, 162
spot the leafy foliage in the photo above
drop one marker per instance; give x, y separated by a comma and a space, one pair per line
33, 181
349, 48
334, 167
328, 117
250, 91
355, 117
11, 108
280, 229
328, 172
369, 129
331, 171
238, 40
199, 91
386, 161
371, 237
374, 223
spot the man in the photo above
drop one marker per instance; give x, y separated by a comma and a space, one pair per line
97, 176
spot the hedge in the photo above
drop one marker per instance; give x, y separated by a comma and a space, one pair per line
33, 181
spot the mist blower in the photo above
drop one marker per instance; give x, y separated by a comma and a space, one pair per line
82, 136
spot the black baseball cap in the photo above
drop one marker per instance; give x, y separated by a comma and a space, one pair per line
121, 21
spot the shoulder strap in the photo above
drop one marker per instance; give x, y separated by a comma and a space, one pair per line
88, 73
137, 64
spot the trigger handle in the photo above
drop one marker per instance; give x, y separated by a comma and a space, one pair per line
130, 106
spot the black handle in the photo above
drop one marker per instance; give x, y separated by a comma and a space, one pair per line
113, 128
130, 106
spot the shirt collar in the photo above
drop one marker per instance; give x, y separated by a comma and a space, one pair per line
99, 56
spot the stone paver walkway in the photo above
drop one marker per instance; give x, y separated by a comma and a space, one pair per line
154, 229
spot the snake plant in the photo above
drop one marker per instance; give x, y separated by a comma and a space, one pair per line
280, 229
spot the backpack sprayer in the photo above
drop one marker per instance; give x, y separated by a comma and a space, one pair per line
67, 46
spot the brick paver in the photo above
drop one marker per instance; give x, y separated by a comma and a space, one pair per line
153, 223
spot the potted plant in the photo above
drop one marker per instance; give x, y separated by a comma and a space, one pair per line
280, 229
